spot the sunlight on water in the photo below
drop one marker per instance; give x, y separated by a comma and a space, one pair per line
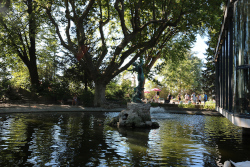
79, 139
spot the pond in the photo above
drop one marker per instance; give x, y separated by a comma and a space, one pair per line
82, 139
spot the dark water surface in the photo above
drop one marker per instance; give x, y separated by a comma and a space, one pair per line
80, 139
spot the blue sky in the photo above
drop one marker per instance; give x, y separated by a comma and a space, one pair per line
200, 47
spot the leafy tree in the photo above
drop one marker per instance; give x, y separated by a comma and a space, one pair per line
77, 75
19, 27
114, 34
4, 78
47, 54
4, 5
208, 74
174, 51
184, 76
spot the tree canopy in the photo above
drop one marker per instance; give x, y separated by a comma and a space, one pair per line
105, 36
114, 34
183, 77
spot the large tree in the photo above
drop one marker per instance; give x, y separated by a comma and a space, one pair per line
19, 27
174, 50
183, 77
118, 32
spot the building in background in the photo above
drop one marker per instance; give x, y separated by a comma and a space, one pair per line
232, 59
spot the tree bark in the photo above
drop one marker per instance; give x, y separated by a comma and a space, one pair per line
32, 66
34, 78
99, 97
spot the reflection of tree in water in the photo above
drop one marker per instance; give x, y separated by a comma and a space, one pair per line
173, 144
33, 139
227, 139
137, 144
89, 147
181, 141
77, 139
52, 139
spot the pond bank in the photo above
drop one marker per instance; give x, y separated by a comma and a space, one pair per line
27, 108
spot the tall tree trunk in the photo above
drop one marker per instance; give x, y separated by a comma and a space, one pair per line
34, 78
99, 97
32, 48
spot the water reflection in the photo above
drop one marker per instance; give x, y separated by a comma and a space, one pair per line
81, 139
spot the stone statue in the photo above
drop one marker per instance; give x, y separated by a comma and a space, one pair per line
138, 90
137, 114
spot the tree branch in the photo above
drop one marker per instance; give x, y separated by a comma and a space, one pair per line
68, 25
85, 13
104, 47
121, 16
48, 11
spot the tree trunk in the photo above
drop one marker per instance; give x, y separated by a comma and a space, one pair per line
34, 78
99, 97
32, 48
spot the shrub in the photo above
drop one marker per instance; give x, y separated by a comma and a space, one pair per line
190, 105
209, 105
87, 98
181, 105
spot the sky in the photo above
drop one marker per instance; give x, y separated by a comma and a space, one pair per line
200, 47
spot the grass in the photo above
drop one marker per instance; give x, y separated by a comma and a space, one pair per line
208, 105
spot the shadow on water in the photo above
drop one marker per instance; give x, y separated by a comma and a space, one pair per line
82, 139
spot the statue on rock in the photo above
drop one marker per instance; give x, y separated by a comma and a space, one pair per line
137, 114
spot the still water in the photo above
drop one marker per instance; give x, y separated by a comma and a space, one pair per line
81, 139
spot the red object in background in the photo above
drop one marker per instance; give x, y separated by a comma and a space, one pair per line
81, 53
156, 89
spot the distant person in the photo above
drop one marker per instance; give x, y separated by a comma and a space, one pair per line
205, 98
74, 101
179, 97
169, 97
194, 98
199, 98
186, 98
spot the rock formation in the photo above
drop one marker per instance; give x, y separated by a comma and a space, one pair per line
137, 115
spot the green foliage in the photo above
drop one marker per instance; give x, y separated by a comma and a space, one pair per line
190, 105
4, 87
182, 77
87, 98
181, 105
208, 74
119, 92
209, 105
20, 77
114, 31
